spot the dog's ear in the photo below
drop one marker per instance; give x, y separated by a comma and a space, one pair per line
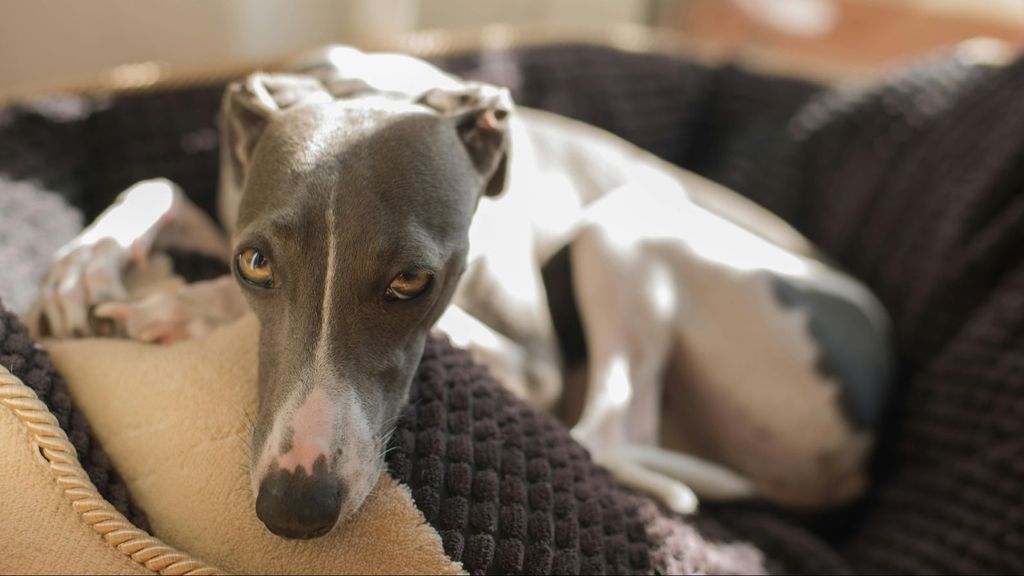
249, 105
480, 113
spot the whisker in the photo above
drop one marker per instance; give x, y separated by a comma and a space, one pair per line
389, 450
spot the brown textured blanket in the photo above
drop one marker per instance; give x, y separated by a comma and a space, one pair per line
501, 487
916, 185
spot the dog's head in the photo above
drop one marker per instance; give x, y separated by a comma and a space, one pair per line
351, 235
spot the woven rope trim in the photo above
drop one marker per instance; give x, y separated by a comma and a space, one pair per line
94, 510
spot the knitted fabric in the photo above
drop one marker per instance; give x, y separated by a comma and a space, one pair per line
510, 491
917, 186
34, 224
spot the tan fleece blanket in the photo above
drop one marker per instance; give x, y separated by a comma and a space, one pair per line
40, 529
174, 421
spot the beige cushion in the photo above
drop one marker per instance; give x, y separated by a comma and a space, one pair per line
40, 530
175, 422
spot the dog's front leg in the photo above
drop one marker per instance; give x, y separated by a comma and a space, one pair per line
187, 311
508, 362
90, 269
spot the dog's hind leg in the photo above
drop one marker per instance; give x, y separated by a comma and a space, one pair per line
627, 309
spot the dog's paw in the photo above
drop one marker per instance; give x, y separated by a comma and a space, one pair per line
82, 276
677, 480
673, 493
162, 318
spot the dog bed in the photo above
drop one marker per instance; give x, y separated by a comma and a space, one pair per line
913, 184
497, 486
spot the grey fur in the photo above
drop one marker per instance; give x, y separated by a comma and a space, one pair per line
392, 184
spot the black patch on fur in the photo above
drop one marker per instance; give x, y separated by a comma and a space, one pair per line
850, 349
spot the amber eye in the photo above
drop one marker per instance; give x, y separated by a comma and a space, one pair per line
254, 268
408, 285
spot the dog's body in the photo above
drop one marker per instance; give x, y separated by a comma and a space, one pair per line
367, 168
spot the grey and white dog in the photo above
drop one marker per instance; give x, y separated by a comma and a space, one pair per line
370, 198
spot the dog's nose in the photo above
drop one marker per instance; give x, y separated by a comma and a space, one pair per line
297, 505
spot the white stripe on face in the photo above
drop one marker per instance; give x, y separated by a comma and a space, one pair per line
322, 416
323, 339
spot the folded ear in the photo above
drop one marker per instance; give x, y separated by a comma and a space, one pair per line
480, 113
251, 103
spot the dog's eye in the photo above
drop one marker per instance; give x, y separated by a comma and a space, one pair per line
408, 285
254, 268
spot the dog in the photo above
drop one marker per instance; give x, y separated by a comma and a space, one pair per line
368, 199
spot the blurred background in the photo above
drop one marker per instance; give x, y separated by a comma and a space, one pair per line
50, 43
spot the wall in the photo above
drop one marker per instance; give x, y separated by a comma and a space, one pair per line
52, 42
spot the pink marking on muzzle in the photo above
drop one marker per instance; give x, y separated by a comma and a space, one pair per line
313, 426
